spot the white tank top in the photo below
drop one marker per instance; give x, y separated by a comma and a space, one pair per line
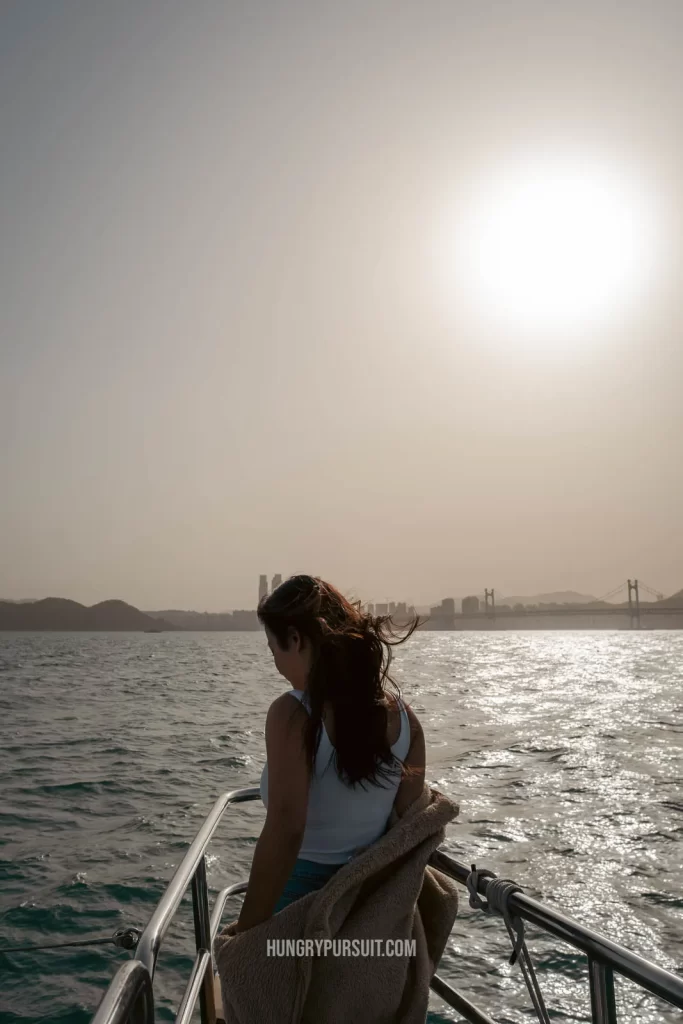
343, 818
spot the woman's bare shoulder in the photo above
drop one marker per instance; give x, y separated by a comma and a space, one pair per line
285, 708
394, 706
413, 721
396, 703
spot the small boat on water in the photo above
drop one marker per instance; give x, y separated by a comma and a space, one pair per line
130, 995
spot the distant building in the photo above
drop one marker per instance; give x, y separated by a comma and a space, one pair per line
381, 609
245, 620
392, 607
401, 608
470, 605
442, 616
277, 580
262, 587
370, 609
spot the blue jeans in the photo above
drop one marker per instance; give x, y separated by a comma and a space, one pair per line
306, 876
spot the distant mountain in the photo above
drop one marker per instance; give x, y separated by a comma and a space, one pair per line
56, 613
675, 601
557, 597
209, 621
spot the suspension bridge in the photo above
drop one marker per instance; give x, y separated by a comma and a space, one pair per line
639, 601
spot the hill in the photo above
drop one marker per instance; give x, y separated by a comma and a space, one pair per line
209, 621
57, 613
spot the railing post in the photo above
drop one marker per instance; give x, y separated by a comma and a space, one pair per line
129, 998
603, 1006
202, 934
455, 999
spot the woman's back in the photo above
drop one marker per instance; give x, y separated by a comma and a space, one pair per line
342, 819
341, 761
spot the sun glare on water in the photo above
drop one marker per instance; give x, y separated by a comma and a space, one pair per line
552, 243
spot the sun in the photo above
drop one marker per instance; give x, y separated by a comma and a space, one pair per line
553, 242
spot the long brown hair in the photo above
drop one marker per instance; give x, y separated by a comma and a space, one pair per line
350, 658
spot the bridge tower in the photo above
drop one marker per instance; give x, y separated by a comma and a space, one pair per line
490, 608
634, 604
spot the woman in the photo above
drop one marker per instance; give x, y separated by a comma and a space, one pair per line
342, 750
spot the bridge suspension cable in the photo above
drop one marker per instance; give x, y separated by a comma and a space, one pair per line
611, 592
655, 593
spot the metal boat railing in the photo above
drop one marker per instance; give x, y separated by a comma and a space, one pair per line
122, 997
604, 956
129, 998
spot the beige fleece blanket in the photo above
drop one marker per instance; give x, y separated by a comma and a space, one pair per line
386, 892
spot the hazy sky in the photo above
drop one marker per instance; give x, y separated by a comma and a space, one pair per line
224, 347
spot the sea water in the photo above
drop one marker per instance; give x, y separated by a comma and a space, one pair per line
563, 749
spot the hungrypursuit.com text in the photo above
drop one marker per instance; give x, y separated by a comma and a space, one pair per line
341, 947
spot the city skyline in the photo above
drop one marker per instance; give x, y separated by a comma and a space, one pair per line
560, 610
447, 605
471, 601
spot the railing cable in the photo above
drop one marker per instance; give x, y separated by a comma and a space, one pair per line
498, 892
126, 938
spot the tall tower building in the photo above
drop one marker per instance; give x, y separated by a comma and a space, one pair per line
262, 587
277, 580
